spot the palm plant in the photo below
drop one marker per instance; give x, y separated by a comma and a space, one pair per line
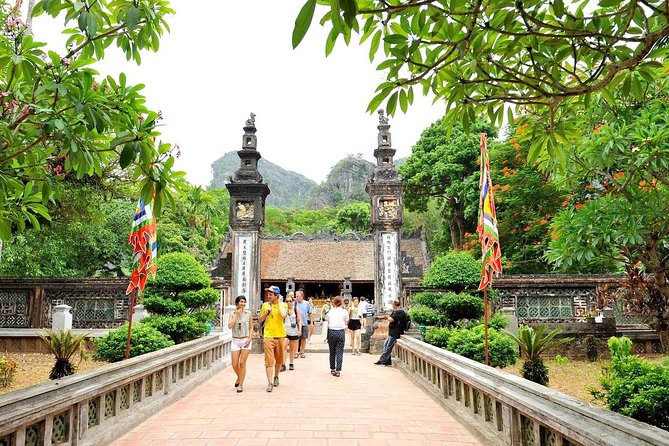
64, 345
533, 342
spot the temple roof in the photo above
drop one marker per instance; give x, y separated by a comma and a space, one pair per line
332, 260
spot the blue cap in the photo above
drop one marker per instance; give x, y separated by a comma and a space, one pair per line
274, 289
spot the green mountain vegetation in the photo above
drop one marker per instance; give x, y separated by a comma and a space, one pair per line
288, 189
345, 183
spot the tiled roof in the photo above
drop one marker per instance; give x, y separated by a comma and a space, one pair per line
330, 260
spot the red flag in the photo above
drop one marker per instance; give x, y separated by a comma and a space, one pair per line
143, 238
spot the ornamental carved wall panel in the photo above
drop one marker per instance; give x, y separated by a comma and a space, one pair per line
14, 308
91, 307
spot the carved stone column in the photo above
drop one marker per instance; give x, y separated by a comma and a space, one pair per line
247, 218
385, 191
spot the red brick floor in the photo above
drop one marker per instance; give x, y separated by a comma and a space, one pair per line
367, 405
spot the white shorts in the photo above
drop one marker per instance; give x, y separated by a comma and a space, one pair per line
238, 344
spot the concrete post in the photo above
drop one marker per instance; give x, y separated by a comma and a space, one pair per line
62, 318
229, 309
138, 313
509, 312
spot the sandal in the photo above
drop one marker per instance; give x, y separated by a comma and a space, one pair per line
332, 372
240, 390
270, 387
302, 355
337, 373
236, 383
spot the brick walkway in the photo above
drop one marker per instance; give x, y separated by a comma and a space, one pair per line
367, 405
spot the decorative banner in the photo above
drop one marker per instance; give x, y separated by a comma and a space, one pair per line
389, 268
244, 256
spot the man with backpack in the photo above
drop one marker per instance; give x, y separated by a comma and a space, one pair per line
398, 322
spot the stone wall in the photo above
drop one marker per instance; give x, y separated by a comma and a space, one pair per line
96, 303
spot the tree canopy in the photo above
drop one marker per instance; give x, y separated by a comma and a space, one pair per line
59, 117
445, 168
484, 56
623, 210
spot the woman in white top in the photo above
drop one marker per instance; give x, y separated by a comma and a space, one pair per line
293, 325
337, 321
241, 324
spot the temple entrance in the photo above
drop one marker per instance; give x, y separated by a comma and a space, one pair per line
320, 290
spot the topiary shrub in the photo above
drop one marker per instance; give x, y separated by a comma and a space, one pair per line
456, 270
438, 336
427, 299
498, 322
470, 344
180, 298
143, 339
178, 328
425, 316
455, 307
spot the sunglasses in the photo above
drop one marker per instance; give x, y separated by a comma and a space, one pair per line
289, 300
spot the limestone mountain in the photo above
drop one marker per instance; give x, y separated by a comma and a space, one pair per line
288, 189
345, 182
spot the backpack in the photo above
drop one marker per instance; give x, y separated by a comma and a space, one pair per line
407, 322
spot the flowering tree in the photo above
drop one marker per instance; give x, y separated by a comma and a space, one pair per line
58, 117
624, 162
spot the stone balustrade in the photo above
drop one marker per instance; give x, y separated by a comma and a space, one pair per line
509, 410
100, 405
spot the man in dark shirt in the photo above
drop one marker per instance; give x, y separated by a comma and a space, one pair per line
395, 329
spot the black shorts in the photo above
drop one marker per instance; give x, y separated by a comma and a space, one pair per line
354, 324
293, 338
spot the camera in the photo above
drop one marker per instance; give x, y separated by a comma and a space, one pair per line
293, 325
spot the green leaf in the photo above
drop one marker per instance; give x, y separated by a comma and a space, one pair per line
132, 17
374, 46
127, 155
303, 22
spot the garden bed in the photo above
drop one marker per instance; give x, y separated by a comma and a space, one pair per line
34, 368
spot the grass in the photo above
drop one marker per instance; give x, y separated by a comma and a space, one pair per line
573, 378
34, 368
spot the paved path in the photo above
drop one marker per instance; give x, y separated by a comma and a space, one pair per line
367, 405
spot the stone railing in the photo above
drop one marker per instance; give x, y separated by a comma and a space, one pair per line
100, 405
508, 410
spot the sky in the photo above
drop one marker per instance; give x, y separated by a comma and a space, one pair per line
224, 59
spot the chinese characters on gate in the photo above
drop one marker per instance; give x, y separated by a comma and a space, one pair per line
389, 277
244, 248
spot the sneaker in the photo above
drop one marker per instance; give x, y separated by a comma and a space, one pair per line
283, 367
381, 363
270, 387
276, 381
291, 367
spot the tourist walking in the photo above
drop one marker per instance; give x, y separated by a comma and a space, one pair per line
354, 324
272, 314
293, 325
337, 320
364, 306
306, 313
398, 320
241, 325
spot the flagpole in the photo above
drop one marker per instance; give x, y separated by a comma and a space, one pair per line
133, 297
485, 324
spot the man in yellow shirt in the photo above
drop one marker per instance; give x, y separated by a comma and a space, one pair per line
272, 313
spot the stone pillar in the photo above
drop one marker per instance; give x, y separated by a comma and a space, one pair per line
348, 289
62, 318
512, 326
247, 218
385, 191
379, 336
290, 286
138, 313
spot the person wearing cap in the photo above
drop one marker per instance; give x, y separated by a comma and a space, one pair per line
272, 314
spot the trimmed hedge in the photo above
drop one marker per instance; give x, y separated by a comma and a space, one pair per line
425, 316
143, 339
456, 270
